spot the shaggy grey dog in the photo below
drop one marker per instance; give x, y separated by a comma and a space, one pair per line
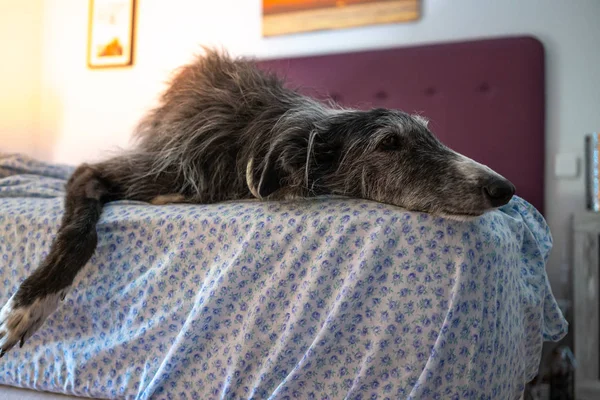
224, 130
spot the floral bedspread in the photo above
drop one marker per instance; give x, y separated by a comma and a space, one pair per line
320, 299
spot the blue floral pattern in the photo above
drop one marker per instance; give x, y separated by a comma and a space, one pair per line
320, 299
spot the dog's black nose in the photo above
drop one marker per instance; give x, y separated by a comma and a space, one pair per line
499, 192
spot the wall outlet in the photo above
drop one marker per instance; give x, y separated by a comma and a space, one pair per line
566, 166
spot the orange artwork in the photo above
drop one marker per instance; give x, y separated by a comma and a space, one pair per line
110, 41
282, 17
112, 49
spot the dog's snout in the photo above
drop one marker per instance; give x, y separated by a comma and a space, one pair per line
499, 192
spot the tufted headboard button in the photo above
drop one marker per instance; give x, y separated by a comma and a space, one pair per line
430, 91
335, 97
484, 87
381, 95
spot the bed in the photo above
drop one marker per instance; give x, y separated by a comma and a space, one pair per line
328, 298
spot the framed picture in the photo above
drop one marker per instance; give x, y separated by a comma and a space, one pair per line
282, 17
110, 33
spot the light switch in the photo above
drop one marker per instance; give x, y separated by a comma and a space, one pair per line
566, 166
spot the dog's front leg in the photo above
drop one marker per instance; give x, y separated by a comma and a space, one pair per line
38, 295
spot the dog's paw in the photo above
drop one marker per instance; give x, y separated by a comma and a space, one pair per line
19, 322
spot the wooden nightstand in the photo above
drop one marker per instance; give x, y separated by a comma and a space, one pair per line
586, 304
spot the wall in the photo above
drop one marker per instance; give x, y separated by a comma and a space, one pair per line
85, 113
20, 74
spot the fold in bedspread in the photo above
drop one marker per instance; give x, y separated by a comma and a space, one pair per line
324, 299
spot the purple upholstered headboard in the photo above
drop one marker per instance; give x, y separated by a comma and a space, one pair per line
485, 98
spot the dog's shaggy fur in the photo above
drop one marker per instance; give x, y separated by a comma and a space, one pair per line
224, 131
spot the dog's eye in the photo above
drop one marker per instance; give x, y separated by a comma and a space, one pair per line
391, 142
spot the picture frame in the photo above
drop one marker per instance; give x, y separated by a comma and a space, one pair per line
285, 17
111, 33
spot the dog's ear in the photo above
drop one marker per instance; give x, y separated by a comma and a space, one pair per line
269, 173
285, 163
272, 175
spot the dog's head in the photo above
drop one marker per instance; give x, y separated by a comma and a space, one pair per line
382, 155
